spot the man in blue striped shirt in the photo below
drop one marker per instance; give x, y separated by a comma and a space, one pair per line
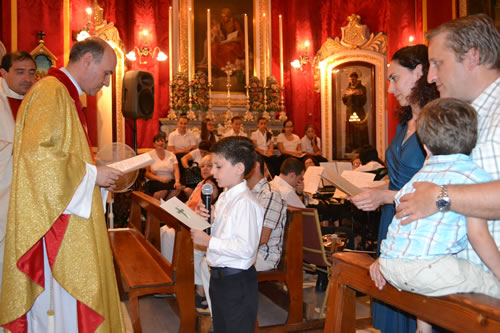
420, 257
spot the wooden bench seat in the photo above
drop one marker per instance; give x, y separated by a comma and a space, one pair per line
457, 313
146, 271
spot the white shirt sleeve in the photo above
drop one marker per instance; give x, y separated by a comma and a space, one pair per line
81, 203
293, 199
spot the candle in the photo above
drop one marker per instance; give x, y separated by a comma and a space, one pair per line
189, 45
170, 61
265, 47
281, 50
209, 48
247, 75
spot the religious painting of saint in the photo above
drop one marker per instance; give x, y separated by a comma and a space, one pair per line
354, 102
227, 41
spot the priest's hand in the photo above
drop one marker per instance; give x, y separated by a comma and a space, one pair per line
107, 177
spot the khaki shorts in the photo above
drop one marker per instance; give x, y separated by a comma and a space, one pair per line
440, 276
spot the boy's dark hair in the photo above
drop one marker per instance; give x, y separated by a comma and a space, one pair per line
183, 116
159, 136
205, 145
9, 58
291, 164
448, 126
236, 149
235, 118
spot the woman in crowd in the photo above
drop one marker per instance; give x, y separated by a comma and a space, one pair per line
208, 131
404, 157
311, 144
289, 144
164, 175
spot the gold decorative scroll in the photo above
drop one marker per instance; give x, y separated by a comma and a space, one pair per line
356, 45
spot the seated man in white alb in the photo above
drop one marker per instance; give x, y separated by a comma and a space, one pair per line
236, 128
291, 174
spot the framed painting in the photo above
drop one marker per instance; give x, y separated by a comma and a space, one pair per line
227, 39
354, 109
44, 59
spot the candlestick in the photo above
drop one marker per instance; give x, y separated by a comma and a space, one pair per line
209, 47
281, 49
247, 75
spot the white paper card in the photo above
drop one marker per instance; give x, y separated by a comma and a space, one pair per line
133, 163
312, 178
183, 213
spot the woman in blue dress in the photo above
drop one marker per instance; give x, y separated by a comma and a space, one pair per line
404, 157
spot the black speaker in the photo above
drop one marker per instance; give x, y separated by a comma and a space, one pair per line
138, 95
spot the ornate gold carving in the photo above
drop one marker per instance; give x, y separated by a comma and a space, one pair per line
356, 45
109, 33
355, 36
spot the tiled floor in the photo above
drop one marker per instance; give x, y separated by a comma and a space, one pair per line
158, 317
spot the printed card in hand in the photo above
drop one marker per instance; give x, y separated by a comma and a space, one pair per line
183, 213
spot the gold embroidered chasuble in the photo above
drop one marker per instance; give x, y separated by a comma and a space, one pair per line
50, 152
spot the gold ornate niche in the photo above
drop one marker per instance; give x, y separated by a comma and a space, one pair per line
357, 45
108, 32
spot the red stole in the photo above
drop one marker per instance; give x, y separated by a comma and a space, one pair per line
14, 104
31, 263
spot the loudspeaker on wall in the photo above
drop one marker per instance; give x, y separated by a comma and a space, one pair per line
138, 95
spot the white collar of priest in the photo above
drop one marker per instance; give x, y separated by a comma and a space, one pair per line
9, 92
80, 91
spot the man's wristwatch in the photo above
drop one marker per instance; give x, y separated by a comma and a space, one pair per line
443, 201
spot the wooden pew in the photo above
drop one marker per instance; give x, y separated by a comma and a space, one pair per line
457, 313
146, 271
289, 269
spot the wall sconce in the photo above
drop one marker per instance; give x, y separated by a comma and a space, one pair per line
145, 52
303, 59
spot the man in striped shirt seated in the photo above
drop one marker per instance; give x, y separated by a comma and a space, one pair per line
271, 238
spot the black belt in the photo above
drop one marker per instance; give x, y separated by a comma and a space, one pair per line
221, 272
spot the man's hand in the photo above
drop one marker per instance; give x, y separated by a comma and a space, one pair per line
299, 188
419, 204
107, 177
377, 276
368, 200
199, 237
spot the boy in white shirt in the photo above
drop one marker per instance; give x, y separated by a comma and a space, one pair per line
234, 240
236, 128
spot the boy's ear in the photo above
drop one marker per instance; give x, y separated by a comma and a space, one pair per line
240, 168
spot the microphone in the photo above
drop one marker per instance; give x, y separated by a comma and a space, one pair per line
206, 195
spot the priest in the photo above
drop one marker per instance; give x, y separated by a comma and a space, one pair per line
58, 270
18, 75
